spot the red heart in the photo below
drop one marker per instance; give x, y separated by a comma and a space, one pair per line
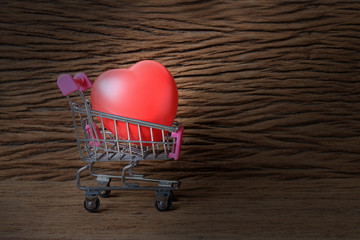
146, 91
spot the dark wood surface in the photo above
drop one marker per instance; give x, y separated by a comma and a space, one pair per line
268, 94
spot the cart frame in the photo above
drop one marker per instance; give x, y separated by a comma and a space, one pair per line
96, 144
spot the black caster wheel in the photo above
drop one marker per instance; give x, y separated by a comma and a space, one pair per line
104, 193
163, 201
92, 205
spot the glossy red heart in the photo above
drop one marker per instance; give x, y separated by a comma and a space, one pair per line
146, 91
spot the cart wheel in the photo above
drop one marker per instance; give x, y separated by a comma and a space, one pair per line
92, 205
163, 201
104, 193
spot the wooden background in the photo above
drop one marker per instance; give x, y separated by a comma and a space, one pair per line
268, 94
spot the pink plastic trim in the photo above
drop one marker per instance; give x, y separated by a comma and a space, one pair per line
177, 146
90, 132
68, 84
82, 81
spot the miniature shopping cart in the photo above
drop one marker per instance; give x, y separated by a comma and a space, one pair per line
96, 144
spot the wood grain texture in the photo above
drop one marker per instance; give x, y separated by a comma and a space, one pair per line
269, 92
253, 209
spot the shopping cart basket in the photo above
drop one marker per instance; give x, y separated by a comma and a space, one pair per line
97, 144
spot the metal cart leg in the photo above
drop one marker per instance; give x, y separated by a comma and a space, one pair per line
91, 202
103, 181
129, 168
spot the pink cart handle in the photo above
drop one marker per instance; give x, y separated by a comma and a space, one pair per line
177, 145
68, 84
